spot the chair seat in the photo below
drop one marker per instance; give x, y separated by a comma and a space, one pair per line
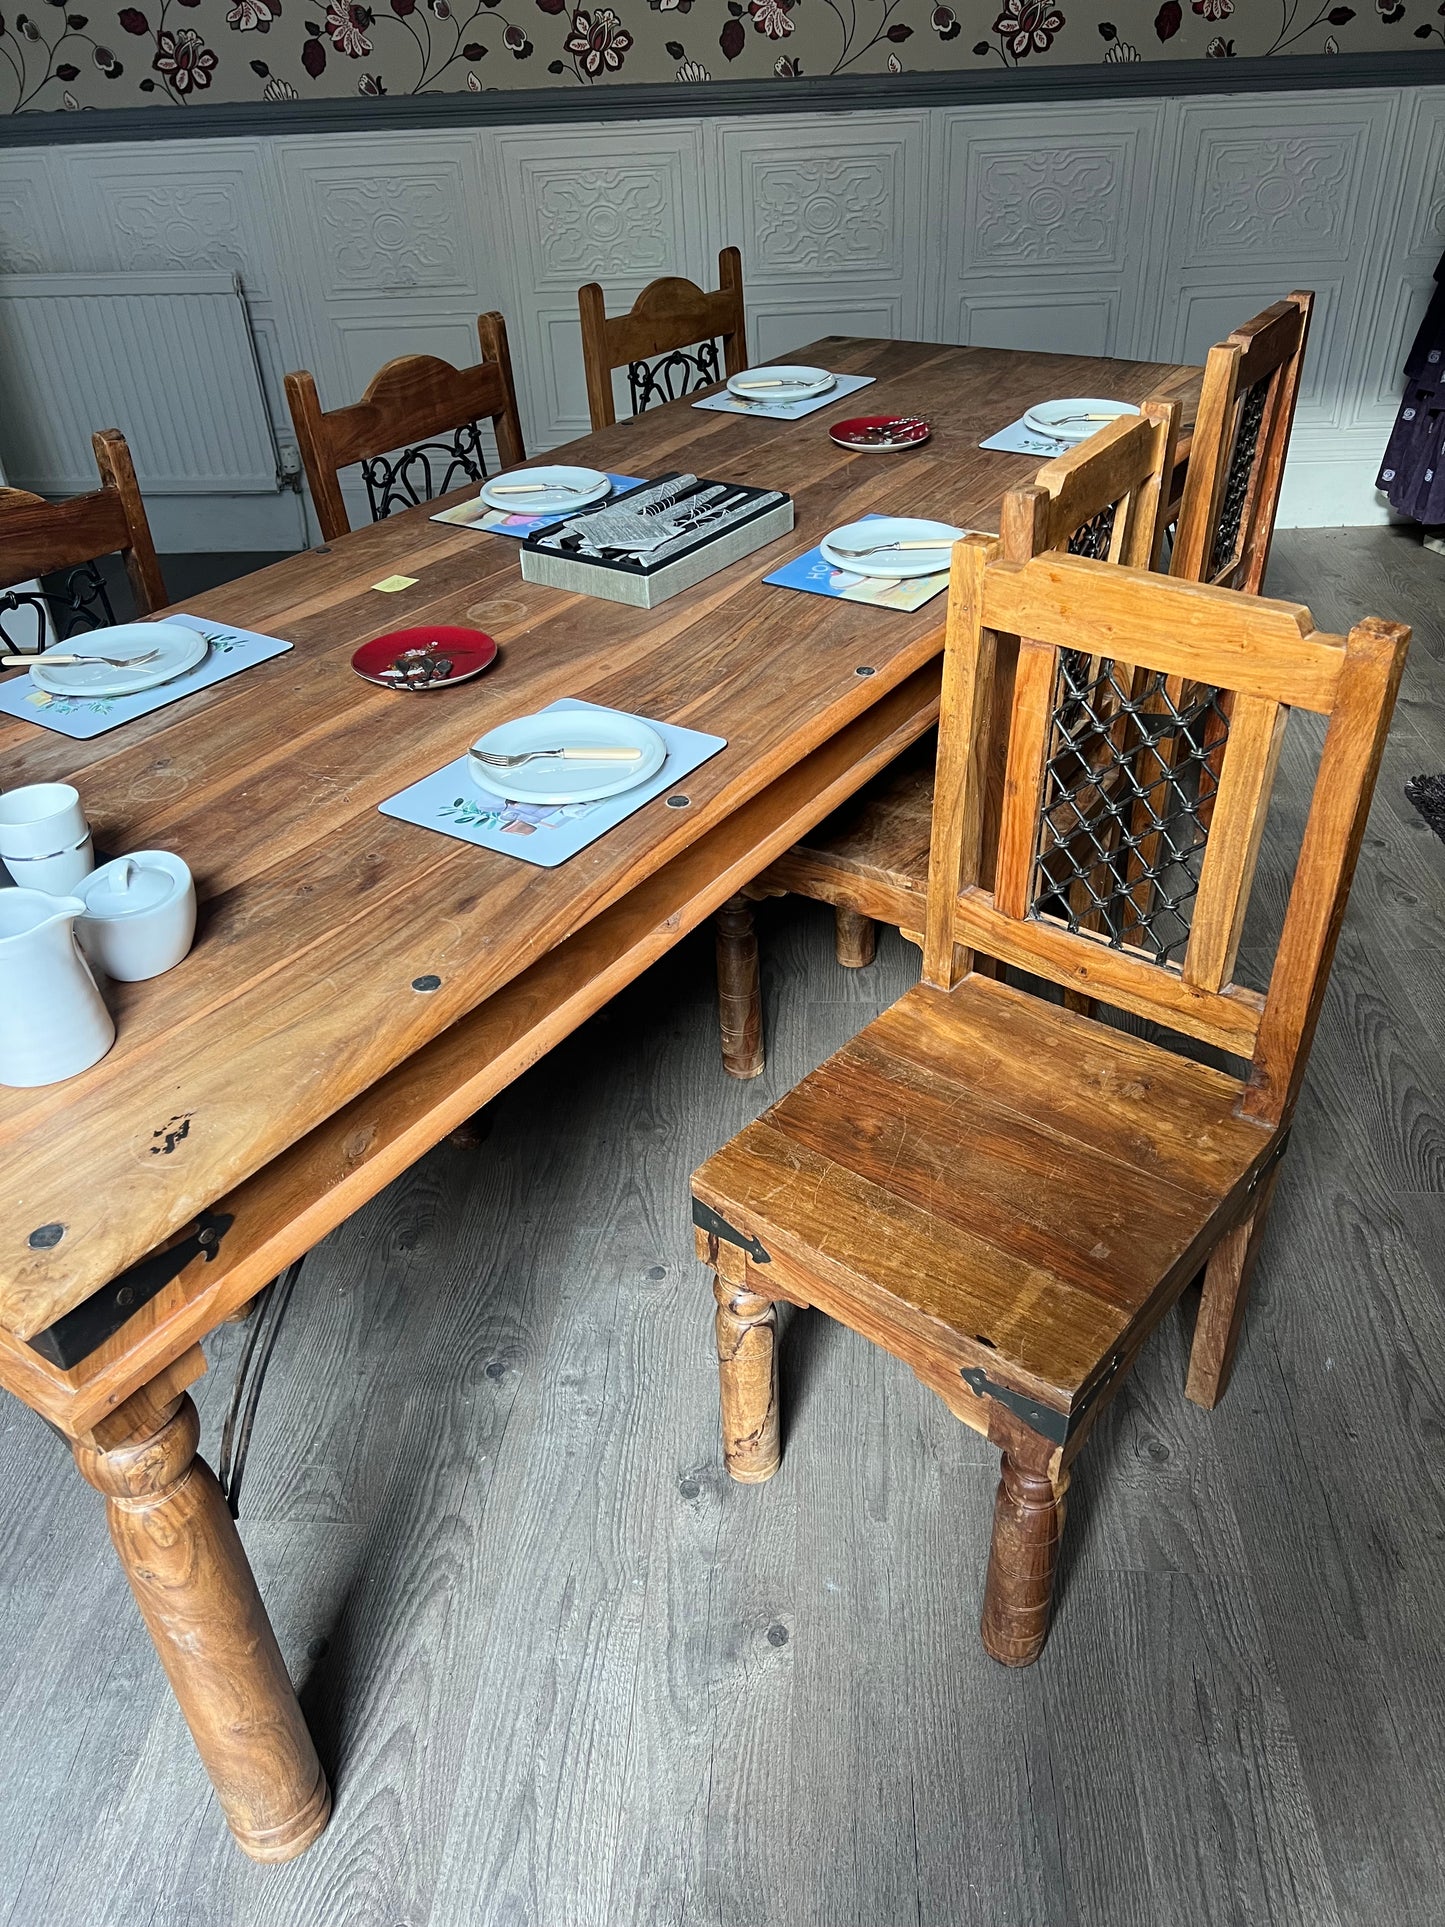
988, 1185
871, 855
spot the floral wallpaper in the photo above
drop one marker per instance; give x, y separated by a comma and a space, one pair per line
181, 54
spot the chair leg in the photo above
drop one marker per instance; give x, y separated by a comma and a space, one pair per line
1028, 1523
1221, 1307
747, 1363
855, 939
739, 995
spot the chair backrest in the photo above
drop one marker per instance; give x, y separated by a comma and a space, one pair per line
672, 319
1103, 498
1081, 624
40, 538
1241, 439
416, 432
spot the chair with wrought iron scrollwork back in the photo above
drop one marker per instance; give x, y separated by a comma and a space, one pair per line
1237, 455
667, 341
63, 541
416, 433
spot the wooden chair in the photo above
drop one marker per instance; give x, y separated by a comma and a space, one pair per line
40, 538
1004, 1194
870, 858
1241, 437
672, 319
416, 432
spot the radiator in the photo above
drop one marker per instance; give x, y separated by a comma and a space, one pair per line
169, 359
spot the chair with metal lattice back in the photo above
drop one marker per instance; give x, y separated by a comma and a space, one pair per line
416, 433
869, 859
1006, 1195
667, 340
1238, 449
40, 539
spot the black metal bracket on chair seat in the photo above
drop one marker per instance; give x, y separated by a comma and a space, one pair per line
265, 1325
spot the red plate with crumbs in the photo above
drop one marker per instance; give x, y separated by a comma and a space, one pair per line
420, 660
880, 434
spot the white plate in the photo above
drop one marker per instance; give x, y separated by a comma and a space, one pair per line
800, 383
549, 779
572, 488
897, 565
180, 649
1060, 418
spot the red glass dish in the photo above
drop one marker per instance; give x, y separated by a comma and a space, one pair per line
881, 434
406, 658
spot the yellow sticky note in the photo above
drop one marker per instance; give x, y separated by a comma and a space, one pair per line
391, 583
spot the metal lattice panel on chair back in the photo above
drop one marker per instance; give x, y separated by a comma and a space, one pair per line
1143, 731
668, 340
682, 372
1128, 789
416, 475
1238, 448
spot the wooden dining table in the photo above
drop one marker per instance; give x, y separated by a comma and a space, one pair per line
360, 986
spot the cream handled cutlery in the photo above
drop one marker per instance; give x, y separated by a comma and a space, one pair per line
589, 753
54, 658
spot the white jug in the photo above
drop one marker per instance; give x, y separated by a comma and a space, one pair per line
53, 1021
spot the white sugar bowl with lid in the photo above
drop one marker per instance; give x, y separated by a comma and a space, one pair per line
140, 915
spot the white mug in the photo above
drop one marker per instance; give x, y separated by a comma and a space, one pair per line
140, 915
44, 837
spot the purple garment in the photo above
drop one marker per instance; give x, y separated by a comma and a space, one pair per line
1412, 473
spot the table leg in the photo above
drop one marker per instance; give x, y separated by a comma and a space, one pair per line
739, 993
1028, 1523
855, 939
187, 1568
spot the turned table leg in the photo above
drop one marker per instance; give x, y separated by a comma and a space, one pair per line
739, 996
1028, 1523
855, 939
189, 1573
747, 1363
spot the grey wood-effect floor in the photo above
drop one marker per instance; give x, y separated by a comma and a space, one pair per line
565, 1675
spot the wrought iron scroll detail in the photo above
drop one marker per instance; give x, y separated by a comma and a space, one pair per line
1095, 538
1128, 796
74, 607
264, 1327
1238, 477
420, 474
683, 372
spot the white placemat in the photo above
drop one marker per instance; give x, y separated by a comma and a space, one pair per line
1018, 439
231, 651
787, 411
542, 833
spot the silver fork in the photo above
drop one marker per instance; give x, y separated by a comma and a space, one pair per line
599, 753
56, 660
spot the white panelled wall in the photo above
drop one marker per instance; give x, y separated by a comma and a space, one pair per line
1143, 229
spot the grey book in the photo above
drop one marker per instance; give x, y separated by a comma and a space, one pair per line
732, 520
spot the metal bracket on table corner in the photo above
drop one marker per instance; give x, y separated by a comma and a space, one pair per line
717, 1226
86, 1327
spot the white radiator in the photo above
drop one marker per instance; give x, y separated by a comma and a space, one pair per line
168, 359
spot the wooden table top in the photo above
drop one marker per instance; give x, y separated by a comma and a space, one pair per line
318, 913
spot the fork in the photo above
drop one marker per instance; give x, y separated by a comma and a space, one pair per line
54, 659
600, 753
888, 548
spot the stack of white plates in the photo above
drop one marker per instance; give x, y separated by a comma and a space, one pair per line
1075, 418
171, 647
884, 546
556, 779
781, 384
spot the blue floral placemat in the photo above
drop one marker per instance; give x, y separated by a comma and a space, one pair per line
82, 717
542, 833
786, 411
814, 573
476, 515
1019, 439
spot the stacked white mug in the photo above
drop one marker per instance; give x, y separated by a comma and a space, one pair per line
44, 838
